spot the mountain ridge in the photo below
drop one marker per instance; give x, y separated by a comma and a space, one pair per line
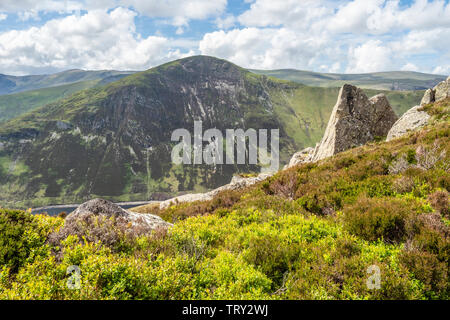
389, 80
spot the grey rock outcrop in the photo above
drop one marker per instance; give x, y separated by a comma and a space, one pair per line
428, 97
237, 182
442, 90
303, 156
414, 118
411, 120
438, 93
107, 209
355, 120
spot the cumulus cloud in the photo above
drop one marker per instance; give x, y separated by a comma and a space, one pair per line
95, 40
371, 56
335, 35
288, 13
327, 35
3, 16
180, 12
262, 48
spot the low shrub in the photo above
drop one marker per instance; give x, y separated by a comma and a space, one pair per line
379, 218
432, 273
20, 237
439, 200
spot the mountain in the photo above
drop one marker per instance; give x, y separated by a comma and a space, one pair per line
19, 95
113, 141
13, 84
395, 80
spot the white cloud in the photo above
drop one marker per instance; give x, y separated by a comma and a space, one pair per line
360, 35
443, 70
30, 9
371, 56
96, 40
288, 13
326, 35
179, 11
226, 22
410, 67
262, 48
3, 16
387, 16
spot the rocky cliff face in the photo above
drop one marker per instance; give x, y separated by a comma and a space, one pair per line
115, 141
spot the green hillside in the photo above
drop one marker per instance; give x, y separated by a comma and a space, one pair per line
13, 105
369, 223
13, 84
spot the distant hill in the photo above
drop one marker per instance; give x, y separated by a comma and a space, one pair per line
394, 80
13, 84
13, 105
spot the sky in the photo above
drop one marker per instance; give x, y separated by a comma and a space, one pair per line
336, 36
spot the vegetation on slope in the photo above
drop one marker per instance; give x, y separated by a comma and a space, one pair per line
14, 84
14, 105
310, 232
394, 80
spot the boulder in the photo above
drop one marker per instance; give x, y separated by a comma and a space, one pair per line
442, 90
355, 120
438, 93
237, 182
303, 156
106, 209
411, 120
414, 118
428, 97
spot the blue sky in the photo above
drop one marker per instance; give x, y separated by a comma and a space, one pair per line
353, 36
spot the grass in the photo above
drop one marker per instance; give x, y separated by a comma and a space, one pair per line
310, 232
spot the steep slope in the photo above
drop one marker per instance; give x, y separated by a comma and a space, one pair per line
395, 80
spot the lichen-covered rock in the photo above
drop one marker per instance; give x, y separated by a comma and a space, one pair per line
411, 120
438, 93
428, 97
303, 156
106, 209
442, 90
355, 120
